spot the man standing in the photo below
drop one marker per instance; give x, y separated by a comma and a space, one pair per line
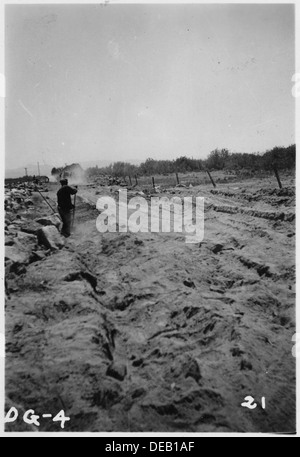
65, 206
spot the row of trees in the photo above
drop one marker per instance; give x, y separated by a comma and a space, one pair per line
283, 157
219, 159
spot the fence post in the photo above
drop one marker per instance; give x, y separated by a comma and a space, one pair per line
212, 181
153, 184
130, 180
177, 179
277, 175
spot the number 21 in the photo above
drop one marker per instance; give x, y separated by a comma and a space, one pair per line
249, 403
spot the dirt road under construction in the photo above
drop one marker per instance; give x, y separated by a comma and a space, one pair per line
143, 332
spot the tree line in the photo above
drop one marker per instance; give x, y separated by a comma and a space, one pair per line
218, 159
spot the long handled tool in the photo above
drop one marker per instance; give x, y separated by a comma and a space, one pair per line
46, 201
74, 210
54, 212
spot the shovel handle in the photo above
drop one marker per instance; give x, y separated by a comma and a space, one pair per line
74, 210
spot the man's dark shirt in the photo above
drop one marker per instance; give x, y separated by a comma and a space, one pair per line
64, 197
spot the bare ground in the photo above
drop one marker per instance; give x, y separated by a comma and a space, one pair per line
145, 333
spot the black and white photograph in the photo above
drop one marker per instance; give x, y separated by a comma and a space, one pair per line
149, 221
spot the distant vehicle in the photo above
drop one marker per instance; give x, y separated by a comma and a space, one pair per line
42, 179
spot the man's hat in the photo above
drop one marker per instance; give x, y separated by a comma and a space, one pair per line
64, 182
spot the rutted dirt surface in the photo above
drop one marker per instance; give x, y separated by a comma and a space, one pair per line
140, 332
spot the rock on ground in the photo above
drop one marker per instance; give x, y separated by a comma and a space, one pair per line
50, 237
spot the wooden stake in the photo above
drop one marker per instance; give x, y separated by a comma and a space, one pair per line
277, 175
153, 184
177, 179
130, 180
212, 181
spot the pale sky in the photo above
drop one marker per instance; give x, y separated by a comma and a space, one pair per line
131, 81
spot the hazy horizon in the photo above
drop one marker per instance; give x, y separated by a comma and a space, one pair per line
131, 81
